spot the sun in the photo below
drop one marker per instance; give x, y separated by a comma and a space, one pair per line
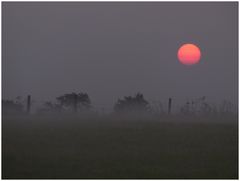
189, 54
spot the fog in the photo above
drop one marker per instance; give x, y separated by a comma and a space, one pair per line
111, 50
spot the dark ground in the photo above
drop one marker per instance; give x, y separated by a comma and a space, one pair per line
164, 148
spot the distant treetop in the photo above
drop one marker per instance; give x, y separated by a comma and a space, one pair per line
135, 103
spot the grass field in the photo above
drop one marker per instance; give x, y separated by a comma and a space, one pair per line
105, 147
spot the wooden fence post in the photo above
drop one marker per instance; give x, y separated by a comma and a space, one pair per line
169, 105
28, 104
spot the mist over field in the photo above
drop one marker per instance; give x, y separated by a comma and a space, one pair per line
99, 90
67, 139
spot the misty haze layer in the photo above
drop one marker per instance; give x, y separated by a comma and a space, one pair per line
110, 50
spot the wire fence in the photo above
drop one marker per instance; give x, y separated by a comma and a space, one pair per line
169, 106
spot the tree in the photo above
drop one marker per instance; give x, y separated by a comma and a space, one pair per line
132, 104
75, 101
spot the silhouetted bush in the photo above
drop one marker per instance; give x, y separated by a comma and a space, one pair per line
200, 106
227, 107
50, 107
197, 106
11, 107
80, 101
132, 104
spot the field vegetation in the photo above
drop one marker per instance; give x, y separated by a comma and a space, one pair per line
120, 146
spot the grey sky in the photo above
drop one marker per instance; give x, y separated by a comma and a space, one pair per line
114, 49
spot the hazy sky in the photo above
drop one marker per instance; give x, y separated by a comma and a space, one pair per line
110, 50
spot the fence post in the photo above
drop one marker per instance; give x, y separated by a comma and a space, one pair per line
169, 105
28, 104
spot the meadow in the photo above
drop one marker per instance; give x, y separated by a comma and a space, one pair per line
118, 147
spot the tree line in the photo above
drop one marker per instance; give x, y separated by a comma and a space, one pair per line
81, 102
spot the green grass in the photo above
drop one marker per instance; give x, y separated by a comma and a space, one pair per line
167, 147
